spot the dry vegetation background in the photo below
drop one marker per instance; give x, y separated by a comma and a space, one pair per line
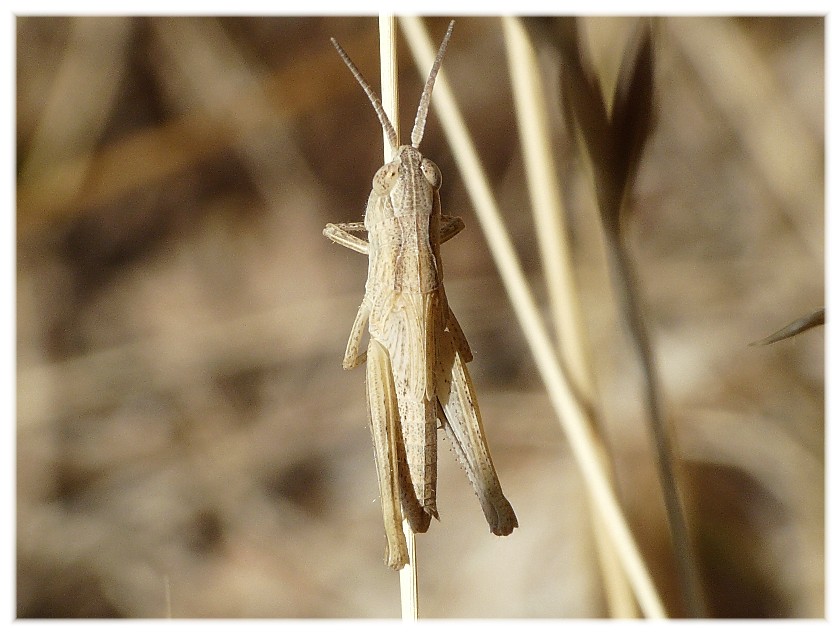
187, 441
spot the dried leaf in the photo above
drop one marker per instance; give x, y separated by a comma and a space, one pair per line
817, 318
633, 106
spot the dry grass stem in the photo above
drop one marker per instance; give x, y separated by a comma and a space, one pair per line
570, 413
614, 133
552, 235
547, 207
409, 600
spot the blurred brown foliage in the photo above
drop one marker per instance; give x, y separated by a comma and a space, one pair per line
187, 443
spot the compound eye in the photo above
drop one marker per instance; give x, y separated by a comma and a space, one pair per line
431, 172
385, 177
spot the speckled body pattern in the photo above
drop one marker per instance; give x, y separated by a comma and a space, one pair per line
417, 352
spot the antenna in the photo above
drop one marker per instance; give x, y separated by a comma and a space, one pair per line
374, 100
426, 97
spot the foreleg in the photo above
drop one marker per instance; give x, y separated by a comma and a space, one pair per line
340, 234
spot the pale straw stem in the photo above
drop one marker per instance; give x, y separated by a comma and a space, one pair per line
552, 234
390, 103
570, 413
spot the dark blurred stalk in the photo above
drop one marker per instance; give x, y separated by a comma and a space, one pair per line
627, 291
614, 140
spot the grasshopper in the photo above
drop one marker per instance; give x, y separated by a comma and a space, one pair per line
417, 353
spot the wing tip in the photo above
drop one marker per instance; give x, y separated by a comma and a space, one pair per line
505, 520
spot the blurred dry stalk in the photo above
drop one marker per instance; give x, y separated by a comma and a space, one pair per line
550, 220
614, 124
571, 413
183, 420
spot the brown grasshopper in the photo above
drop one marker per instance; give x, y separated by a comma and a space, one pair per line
417, 352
